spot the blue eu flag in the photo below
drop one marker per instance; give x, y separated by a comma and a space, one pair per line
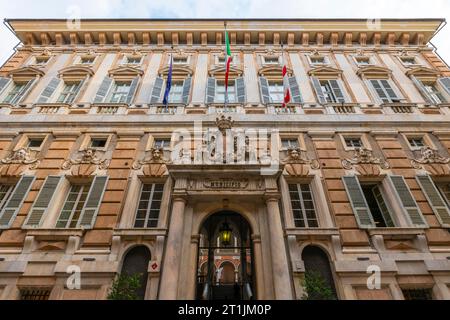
169, 83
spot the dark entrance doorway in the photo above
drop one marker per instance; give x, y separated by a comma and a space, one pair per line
225, 259
136, 262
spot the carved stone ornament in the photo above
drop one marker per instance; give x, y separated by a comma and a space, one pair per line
224, 123
364, 156
156, 157
298, 156
88, 157
22, 156
428, 156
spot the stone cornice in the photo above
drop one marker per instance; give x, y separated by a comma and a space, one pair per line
290, 31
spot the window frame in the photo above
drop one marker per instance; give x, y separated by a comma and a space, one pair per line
303, 209
7, 195
148, 209
69, 221
221, 84
77, 84
113, 91
325, 62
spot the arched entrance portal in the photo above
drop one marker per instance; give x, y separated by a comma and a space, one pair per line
225, 260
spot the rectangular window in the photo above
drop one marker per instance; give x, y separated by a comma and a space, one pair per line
73, 206
5, 193
87, 60
417, 294
444, 189
290, 143
433, 92
133, 60
149, 206
35, 142
385, 91
416, 142
315, 60
15, 94
41, 61
69, 92
363, 61
98, 143
120, 92
353, 143
332, 91
303, 207
176, 92
408, 61
220, 92
161, 144
276, 91
377, 205
272, 60
179, 60
34, 294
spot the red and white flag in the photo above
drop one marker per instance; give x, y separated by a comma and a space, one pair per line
287, 87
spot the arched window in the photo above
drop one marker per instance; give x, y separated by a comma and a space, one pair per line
316, 260
136, 262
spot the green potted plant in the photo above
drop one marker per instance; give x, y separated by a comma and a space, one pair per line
316, 288
124, 287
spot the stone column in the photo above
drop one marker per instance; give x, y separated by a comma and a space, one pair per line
260, 285
280, 265
172, 259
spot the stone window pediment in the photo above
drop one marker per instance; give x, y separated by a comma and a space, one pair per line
423, 72
325, 72
273, 71
374, 72
26, 73
76, 72
219, 72
178, 71
126, 72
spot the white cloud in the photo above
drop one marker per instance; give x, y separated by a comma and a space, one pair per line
227, 9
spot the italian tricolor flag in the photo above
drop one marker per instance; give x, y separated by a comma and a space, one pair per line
227, 60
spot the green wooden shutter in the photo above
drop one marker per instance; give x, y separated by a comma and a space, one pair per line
132, 91
318, 88
156, 91
211, 90
4, 83
16, 200
445, 82
95, 196
187, 90
407, 200
48, 92
422, 90
42, 202
295, 90
435, 199
358, 202
240, 90
103, 90
264, 90
337, 90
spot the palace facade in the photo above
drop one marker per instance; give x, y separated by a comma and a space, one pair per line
207, 200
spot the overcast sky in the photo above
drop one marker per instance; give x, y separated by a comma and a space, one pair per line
225, 9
